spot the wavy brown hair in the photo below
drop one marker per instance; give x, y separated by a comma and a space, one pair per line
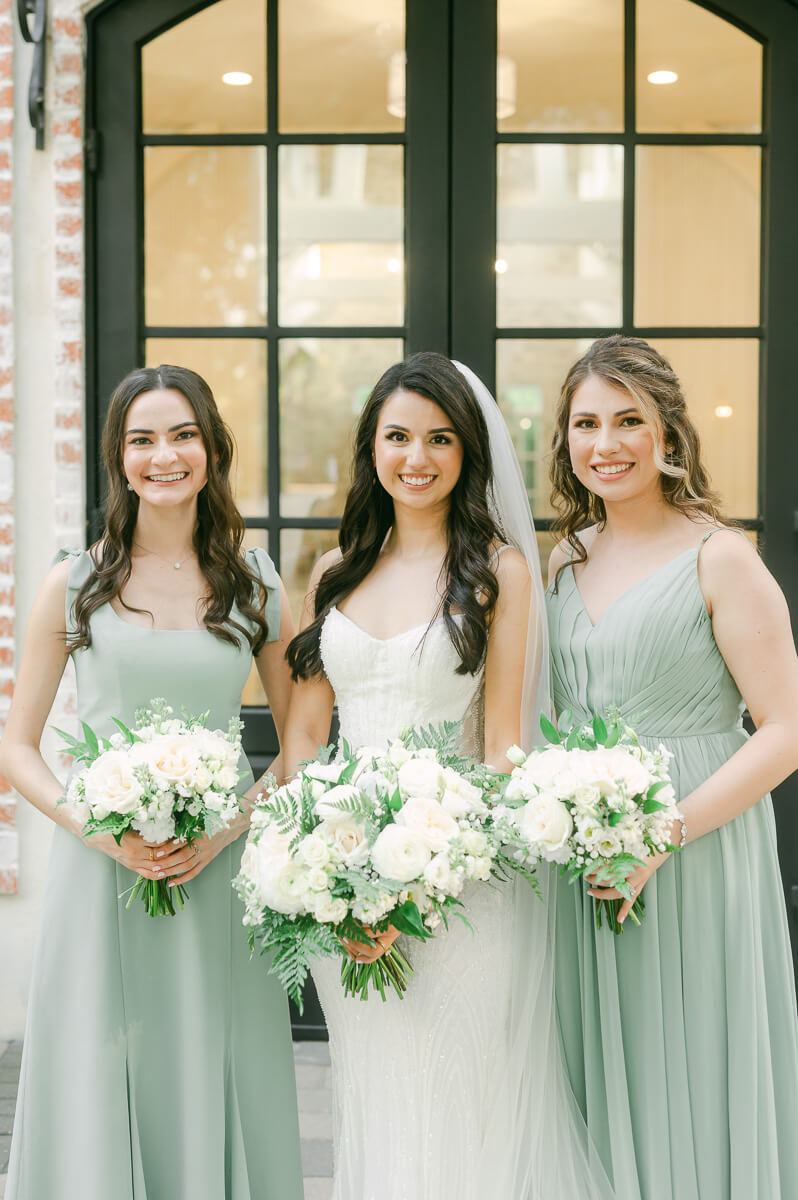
218, 533
471, 585
633, 366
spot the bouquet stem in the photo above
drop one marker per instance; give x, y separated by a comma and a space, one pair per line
158, 898
607, 910
392, 969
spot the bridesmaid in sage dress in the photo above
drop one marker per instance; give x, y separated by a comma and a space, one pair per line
680, 1036
157, 1061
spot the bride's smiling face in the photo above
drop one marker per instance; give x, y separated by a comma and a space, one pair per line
418, 455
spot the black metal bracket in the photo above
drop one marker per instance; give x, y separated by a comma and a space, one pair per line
36, 35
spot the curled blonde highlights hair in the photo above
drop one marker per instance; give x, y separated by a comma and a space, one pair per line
632, 366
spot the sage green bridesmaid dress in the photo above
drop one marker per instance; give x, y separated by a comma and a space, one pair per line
680, 1036
157, 1062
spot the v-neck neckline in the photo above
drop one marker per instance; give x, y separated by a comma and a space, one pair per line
633, 587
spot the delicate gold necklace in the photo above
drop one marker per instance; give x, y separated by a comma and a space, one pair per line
177, 565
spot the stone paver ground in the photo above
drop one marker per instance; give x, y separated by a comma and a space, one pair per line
315, 1120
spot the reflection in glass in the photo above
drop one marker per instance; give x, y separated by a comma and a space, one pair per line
235, 370
205, 235
340, 66
568, 59
697, 235
719, 70
323, 387
529, 375
300, 550
182, 89
559, 235
720, 379
341, 232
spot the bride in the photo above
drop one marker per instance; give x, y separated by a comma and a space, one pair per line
432, 610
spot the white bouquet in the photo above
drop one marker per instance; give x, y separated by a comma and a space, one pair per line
593, 801
167, 779
362, 841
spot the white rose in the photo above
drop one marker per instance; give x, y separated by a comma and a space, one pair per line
439, 875
325, 772
518, 789
399, 853
314, 850
398, 754
348, 838
317, 879
328, 909
474, 842
172, 760
281, 881
544, 765
515, 755
421, 777
482, 867
329, 805
202, 779
546, 822
227, 778
429, 820
214, 801
111, 786
461, 797
617, 765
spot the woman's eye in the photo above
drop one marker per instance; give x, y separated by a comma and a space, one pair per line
187, 433
138, 441
585, 423
396, 436
632, 421
441, 439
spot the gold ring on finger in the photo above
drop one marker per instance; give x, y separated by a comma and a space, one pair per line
152, 854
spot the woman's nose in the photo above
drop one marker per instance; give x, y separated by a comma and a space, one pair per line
606, 440
416, 453
163, 452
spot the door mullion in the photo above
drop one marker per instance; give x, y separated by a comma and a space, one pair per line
473, 224
427, 175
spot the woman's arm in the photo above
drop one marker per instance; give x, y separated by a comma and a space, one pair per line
312, 700
44, 658
505, 664
751, 624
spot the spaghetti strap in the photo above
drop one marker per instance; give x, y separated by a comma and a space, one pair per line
498, 551
723, 529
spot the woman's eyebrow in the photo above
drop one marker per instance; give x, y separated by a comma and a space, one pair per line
172, 428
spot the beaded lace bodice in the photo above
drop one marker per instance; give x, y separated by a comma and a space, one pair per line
384, 685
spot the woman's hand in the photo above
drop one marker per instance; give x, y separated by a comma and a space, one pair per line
360, 952
148, 860
637, 881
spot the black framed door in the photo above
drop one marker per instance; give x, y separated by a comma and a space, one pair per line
437, 190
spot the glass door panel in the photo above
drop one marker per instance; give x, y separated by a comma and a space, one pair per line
560, 66
207, 74
342, 66
696, 73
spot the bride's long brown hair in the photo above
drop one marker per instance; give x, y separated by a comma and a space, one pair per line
218, 533
631, 365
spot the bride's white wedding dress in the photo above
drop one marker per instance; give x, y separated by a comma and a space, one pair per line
419, 1083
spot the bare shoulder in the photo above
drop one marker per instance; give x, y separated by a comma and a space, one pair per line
49, 608
728, 551
510, 567
330, 559
731, 573
561, 554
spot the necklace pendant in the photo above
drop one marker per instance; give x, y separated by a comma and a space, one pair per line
177, 566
